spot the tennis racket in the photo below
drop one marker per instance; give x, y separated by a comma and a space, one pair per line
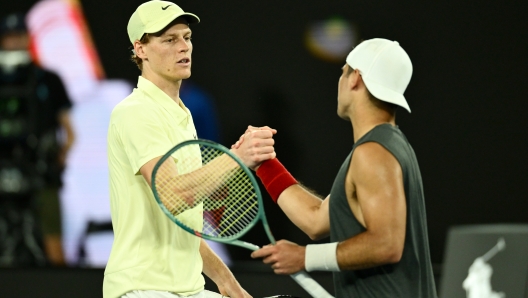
208, 191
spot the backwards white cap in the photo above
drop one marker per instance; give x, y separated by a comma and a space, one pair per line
385, 68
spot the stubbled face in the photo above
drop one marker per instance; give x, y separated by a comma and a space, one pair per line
14, 41
169, 55
343, 94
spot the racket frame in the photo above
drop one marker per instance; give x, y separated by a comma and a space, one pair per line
233, 239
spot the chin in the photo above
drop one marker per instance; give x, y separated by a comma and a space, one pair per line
186, 75
180, 76
343, 115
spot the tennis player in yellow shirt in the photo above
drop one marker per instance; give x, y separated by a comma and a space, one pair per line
151, 256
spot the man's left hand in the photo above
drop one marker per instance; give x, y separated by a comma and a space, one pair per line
285, 257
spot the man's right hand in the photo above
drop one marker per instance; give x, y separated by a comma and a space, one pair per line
255, 146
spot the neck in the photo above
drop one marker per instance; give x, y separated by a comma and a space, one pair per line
171, 88
366, 118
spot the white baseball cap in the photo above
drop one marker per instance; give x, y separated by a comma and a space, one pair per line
385, 68
153, 16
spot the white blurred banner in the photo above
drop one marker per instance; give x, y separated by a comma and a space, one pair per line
62, 43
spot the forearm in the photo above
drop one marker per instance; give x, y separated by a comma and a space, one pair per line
362, 251
367, 250
306, 210
207, 178
214, 267
179, 192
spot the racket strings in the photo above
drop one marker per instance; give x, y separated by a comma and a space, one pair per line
225, 196
235, 209
242, 210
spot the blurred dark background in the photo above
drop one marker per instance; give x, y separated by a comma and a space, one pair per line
467, 93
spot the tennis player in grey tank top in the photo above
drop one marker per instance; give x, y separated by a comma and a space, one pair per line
413, 274
375, 214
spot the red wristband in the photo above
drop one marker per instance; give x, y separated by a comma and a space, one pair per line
275, 177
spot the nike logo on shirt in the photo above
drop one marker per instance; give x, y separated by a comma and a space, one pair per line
166, 7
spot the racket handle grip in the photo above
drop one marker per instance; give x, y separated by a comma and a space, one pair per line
310, 285
245, 244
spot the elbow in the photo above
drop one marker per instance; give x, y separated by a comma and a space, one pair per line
318, 228
393, 258
392, 254
316, 234
314, 237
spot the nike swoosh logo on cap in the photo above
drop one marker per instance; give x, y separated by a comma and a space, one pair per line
166, 7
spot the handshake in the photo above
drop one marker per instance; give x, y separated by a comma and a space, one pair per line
255, 146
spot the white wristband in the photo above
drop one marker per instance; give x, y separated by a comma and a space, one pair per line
321, 257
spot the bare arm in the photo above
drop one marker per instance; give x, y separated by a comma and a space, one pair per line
181, 191
65, 123
306, 210
257, 147
219, 273
378, 184
378, 198
146, 169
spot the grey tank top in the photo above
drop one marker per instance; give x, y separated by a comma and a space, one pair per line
412, 277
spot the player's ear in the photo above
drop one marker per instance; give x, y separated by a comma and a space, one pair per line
139, 49
354, 79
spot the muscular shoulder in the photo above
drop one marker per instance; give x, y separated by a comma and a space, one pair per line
372, 159
371, 152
